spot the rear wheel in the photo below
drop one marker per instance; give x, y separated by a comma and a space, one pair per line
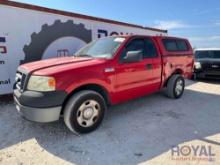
175, 86
84, 111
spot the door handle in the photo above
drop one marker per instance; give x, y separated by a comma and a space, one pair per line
149, 66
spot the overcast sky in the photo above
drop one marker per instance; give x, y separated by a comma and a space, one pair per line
198, 20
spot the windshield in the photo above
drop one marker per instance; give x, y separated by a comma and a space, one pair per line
207, 54
202, 54
101, 48
216, 54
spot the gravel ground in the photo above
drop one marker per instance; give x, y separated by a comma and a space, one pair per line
138, 132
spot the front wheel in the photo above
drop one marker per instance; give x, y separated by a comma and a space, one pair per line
84, 111
175, 86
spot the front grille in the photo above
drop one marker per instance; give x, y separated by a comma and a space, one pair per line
214, 66
20, 81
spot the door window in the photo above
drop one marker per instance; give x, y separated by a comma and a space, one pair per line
134, 45
151, 50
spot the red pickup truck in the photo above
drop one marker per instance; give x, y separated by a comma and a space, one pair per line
105, 72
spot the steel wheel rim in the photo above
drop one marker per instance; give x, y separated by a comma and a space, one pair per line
179, 87
88, 113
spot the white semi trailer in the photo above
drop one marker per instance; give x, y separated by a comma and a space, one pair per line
30, 33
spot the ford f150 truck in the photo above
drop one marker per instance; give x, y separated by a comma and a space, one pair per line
105, 72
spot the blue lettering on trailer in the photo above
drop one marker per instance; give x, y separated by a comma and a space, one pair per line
2, 39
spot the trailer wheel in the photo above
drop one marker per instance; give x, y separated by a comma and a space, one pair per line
175, 86
50, 33
84, 111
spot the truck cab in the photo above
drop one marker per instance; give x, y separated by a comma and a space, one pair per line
105, 72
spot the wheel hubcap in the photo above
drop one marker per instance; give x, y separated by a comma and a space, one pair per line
179, 87
88, 113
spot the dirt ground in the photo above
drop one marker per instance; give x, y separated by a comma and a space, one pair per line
142, 131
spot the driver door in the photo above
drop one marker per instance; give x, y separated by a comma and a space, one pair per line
133, 79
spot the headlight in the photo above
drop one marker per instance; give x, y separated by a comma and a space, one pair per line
198, 65
41, 83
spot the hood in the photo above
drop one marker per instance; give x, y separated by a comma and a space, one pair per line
54, 62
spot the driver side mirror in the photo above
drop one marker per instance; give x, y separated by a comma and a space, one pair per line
133, 56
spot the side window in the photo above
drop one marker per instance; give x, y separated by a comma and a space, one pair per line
170, 44
175, 45
151, 50
134, 45
182, 45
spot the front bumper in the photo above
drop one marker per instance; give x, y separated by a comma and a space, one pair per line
208, 74
39, 107
41, 115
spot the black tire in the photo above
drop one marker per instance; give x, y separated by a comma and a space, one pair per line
73, 105
171, 91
